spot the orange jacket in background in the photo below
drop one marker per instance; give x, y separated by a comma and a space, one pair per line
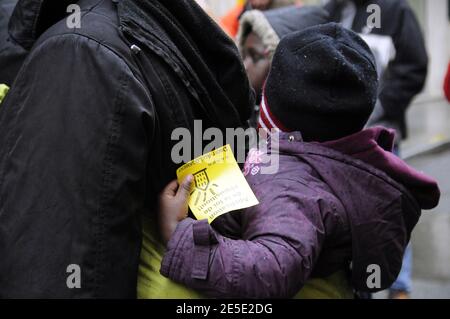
230, 22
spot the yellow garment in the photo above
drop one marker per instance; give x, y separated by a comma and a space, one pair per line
152, 285
336, 286
3, 90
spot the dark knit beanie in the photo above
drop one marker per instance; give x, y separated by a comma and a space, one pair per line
323, 83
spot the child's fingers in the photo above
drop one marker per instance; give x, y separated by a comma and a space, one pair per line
185, 188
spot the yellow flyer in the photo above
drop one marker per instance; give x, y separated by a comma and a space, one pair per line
219, 186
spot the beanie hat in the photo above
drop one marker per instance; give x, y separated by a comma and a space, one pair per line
323, 83
273, 25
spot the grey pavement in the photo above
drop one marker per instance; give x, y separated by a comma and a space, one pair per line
431, 238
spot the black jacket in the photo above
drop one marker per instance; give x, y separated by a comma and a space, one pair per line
12, 55
85, 134
405, 75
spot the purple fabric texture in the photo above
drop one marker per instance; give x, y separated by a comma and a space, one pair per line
330, 205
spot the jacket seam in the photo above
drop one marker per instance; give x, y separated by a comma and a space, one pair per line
108, 167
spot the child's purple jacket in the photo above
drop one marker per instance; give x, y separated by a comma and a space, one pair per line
329, 205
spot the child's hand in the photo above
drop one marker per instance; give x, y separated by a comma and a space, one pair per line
173, 206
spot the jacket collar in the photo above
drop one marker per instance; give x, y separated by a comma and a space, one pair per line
207, 62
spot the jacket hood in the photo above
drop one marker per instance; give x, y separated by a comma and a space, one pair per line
374, 146
382, 197
272, 25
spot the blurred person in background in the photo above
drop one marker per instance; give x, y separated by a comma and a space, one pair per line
230, 21
400, 51
402, 63
259, 35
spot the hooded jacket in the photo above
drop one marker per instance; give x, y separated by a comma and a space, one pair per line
329, 205
401, 54
230, 21
272, 25
86, 135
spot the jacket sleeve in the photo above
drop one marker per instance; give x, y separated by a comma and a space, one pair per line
74, 143
282, 239
406, 74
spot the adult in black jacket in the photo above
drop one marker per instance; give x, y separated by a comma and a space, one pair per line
85, 134
403, 71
